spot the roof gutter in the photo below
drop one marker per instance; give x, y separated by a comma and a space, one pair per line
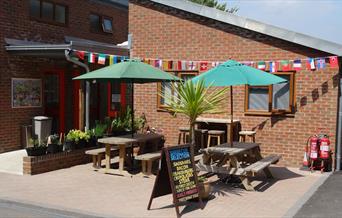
37, 47
87, 95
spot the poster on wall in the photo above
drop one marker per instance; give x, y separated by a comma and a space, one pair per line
26, 92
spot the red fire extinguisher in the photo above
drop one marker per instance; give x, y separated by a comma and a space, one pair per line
313, 148
324, 148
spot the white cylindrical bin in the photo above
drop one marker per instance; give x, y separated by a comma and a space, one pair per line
42, 127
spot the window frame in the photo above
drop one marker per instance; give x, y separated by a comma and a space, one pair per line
177, 73
53, 22
271, 111
101, 24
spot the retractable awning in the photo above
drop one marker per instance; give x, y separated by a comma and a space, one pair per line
38, 49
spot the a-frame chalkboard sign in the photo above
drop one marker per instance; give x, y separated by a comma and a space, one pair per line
177, 175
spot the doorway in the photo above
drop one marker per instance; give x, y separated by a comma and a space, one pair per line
54, 98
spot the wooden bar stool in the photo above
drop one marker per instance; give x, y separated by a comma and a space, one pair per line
202, 133
250, 134
184, 133
215, 134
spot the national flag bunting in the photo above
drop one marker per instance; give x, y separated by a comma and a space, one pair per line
320, 63
333, 61
166, 65
248, 63
215, 64
262, 65
101, 59
158, 63
80, 54
203, 66
310, 64
183, 65
111, 59
297, 65
91, 58
284, 65
191, 65
273, 67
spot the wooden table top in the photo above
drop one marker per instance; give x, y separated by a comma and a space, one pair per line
127, 139
225, 149
215, 120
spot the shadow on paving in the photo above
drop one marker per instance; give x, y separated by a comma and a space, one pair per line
326, 201
11, 209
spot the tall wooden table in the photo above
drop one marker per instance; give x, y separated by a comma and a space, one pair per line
226, 122
124, 142
224, 159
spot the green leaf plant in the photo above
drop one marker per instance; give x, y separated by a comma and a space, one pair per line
194, 100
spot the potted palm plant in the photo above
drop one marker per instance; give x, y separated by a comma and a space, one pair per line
194, 100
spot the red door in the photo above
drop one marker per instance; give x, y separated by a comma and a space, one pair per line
54, 98
116, 97
76, 87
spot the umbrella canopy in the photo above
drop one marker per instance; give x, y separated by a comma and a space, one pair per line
232, 73
130, 71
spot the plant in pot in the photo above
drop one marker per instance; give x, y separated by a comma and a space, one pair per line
194, 100
122, 124
54, 144
36, 148
204, 187
76, 139
97, 132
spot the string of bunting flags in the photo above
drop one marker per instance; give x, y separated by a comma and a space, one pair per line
271, 66
92, 57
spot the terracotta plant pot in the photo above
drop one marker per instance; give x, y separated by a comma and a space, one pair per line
204, 189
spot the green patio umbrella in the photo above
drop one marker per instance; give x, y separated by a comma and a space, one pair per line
130, 71
233, 73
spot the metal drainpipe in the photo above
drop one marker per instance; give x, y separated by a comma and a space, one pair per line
339, 127
68, 58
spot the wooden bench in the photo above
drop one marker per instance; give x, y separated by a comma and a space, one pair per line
97, 155
146, 161
261, 164
197, 158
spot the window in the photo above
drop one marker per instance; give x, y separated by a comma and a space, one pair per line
100, 23
47, 11
273, 99
166, 87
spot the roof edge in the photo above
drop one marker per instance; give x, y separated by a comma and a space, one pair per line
256, 26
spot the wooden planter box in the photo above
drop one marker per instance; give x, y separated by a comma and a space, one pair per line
50, 162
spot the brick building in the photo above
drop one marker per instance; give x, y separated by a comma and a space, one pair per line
38, 41
180, 30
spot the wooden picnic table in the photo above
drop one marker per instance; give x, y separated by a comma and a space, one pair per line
227, 122
243, 160
123, 142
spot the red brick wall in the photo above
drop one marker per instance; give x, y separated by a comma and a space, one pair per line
15, 23
50, 162
165, 33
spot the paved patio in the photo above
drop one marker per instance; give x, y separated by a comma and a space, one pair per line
80, 189
12, 162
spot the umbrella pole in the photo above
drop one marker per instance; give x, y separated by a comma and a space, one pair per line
132, 124
231, 118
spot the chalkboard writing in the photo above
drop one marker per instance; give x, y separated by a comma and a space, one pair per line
177, 176
183, 174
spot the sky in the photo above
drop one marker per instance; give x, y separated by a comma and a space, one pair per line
318, 18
